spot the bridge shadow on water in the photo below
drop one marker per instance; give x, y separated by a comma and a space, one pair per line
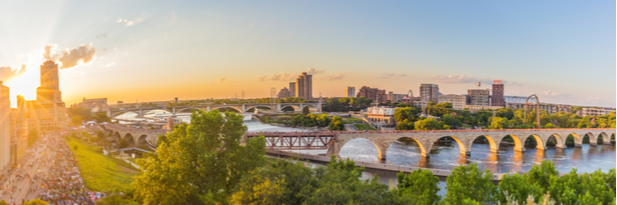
446, 155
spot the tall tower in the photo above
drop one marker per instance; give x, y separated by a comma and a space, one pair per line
50, 83
304, 86
292, 89
497, 98
300, 87
5, 129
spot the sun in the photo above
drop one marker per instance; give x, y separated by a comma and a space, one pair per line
24, 85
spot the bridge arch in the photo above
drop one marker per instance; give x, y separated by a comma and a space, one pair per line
560, 141
117, 136
606, 139
258, 106
312, 108
578, 140
380, 151
116, 114
593, 140
296, 108
188, 108
129, 140
422, 150
228, 107
540, 143
141, 140
145, 112
492, 143
461, 145
518, 143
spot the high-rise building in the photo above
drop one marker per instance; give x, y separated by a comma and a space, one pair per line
350, 92
378, 96
292, 89
47, 112
429, 92
393, 97
478, 97
284, 93
497, 98
304, 86
5, 129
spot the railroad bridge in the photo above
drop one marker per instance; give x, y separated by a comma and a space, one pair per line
425, 139
241, 108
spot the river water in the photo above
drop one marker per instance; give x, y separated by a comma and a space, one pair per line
447, 156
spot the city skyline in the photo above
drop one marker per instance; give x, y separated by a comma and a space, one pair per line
155, 53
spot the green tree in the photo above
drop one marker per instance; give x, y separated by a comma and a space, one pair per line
499, 123
541, 175
100, 117
406, 113
405, 125
516, 187
336, 123
452, 121
305, 110
257, 190
200, 163
427, 124
33, 136
419, 186
467, 182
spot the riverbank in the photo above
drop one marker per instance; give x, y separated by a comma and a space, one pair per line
100, 172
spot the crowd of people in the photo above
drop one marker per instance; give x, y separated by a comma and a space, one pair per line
49, 172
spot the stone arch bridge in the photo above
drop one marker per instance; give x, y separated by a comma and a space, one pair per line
465, 138
241, 108
134, 137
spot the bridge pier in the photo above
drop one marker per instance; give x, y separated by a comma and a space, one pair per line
593, 144
578, 145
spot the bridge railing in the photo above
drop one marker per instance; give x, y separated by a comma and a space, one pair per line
123, 128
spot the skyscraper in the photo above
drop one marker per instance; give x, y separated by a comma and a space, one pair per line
350, 92
292, 89
5, 129
429, 92
47, 112
497, 98
478, 97
304, 86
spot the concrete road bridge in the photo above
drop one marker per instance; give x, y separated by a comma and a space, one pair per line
426, 139
241, 108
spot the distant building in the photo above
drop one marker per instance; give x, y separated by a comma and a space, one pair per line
378, 96
381, 114
98, 104
392, 97
497, 97
304, 86
588, 111
284, 93
292, 89
517, 99
350, 92
478, 97
458, 101
5, 129
549, 108
429, 92
481, 107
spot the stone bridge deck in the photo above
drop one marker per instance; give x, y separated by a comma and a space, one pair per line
464, 138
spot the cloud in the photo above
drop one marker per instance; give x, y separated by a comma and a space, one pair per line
263, 78
222, 79
7, 72
454, 79
49, 52
336, 76
313, 71
71, 58
549, 93
283, 77
251, 26
109, 64
389, 75
126, 22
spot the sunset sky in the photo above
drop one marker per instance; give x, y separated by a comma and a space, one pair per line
563, 51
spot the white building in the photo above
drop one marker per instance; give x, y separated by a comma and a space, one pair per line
458, 101
518, 99
5, 129
588, 111
350, 92
380, 114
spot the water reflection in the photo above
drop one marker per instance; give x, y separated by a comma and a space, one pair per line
447, 156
